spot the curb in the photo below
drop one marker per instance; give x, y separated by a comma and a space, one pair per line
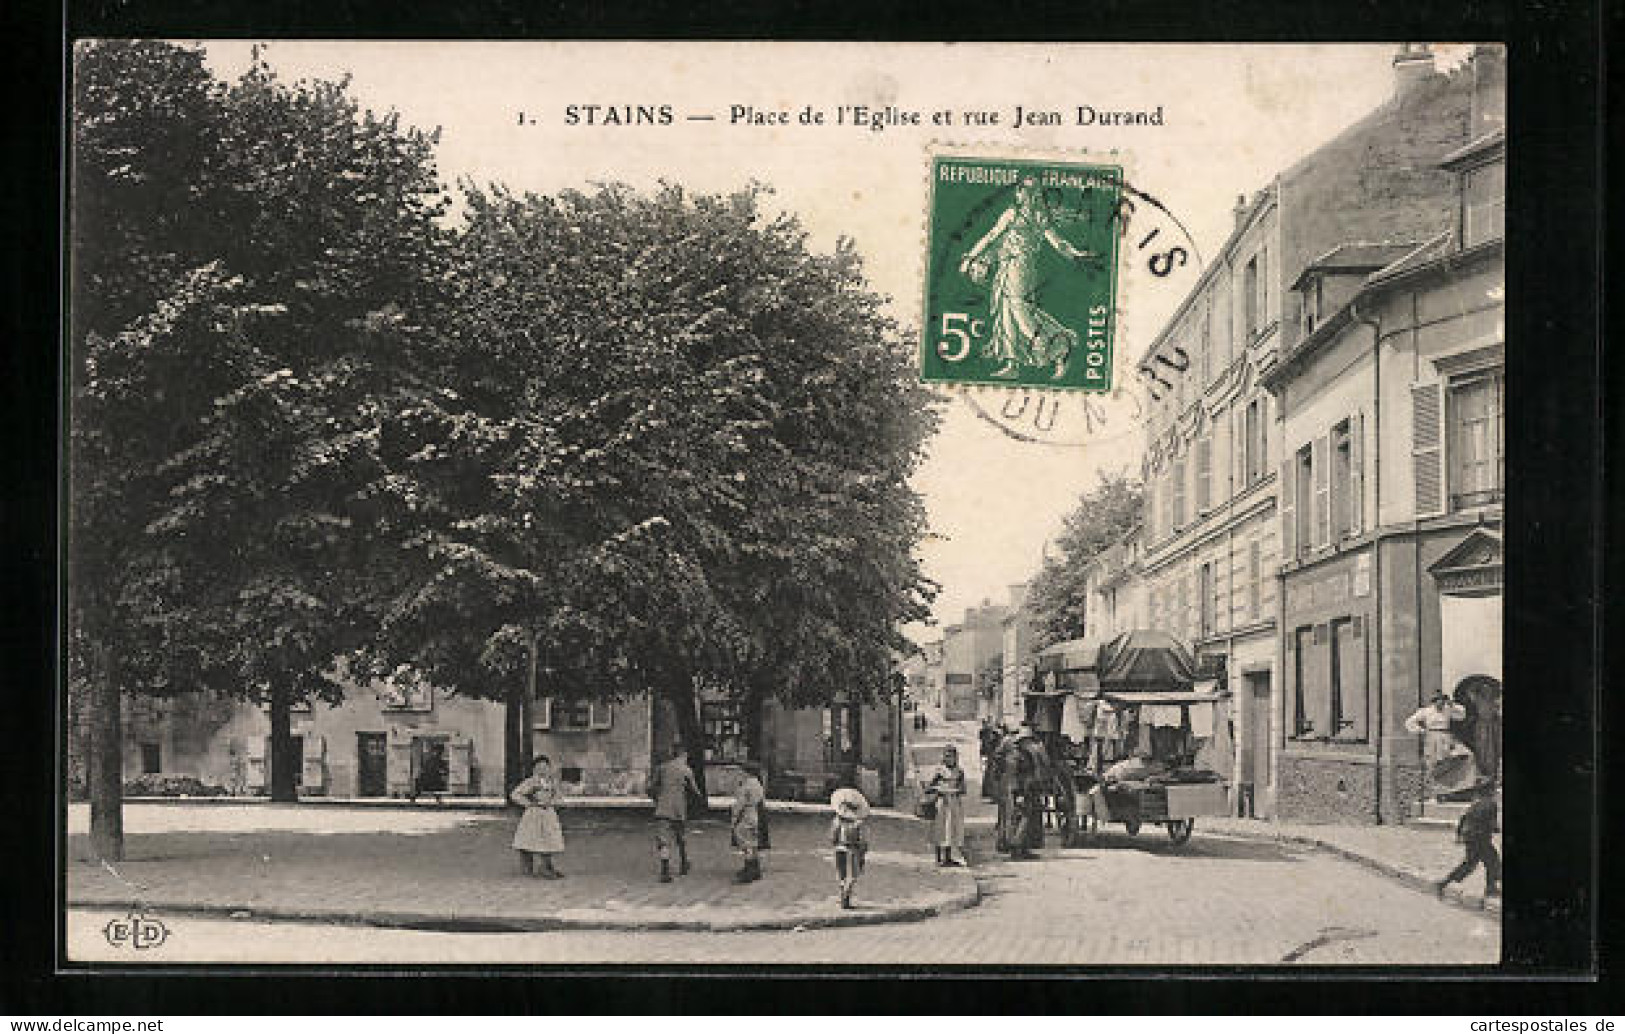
1413, 880
542, 924
484, 804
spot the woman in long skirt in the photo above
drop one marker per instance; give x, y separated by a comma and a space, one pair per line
539, 834
947, 787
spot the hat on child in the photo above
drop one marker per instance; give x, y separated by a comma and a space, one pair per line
849, 804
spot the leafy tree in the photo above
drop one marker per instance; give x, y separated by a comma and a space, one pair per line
244, 260
1058, 596
674, 450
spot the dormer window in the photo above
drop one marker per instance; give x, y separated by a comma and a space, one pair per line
1314, 300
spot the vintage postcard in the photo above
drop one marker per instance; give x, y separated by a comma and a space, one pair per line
771, 503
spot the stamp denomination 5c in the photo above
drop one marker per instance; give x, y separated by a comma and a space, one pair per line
1021, 273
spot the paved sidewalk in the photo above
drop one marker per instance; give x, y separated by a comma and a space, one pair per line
441, 868
1414, 856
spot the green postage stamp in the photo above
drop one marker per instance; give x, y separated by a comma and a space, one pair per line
1021, 273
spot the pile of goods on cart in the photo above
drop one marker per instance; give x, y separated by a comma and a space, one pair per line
1138, 732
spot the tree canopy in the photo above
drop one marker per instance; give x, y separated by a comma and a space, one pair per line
1059, 593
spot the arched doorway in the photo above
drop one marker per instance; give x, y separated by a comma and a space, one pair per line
1480, 730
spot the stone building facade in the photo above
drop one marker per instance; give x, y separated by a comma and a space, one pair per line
1212, 551
1393, 488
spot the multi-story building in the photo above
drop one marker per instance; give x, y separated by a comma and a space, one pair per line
1211, 548
1392, 405
1116, 594
1016, 657
969, 650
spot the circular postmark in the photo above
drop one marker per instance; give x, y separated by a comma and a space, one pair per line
1030, 265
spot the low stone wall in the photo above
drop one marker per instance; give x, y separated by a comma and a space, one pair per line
1326, 790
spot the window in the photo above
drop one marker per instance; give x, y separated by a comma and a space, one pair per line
1484, 204
1206, 599
573, 715
151, 759
1342, 481
1204, 473
1303, 644
1304, 483
1254, 441
1329, 675
1255, 579
1249, 298
1313, 301
722, 724
1477, 447
1178, 518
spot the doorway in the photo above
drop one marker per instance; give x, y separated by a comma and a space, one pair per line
372, 764
430, 769
1255, 747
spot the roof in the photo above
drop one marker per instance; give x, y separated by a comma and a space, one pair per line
1485, 147
1416, 258
1355, 257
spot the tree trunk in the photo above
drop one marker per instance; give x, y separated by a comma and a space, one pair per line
684, 700
284, 763
106, 760
513, 766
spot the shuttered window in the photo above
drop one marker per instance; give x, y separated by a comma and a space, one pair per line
1342, 480
1178, 519
1204, 474
1255, 579
1323, 499
1356, 513
1427, 466
1477, 441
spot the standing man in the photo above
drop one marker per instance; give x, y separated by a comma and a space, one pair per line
1433, 724
1476, 831
1025, 777
670, 787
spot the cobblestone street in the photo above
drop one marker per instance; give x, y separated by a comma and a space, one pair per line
1217, 900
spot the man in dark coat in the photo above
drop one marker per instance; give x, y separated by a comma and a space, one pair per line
1476, 831
1025, 777
670, 786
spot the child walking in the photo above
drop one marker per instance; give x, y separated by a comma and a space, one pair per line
851, 842
539, 834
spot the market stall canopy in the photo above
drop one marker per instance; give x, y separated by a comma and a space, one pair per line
1146, 660
1071, 655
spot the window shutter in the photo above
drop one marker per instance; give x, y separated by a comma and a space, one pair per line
1179, 493
315, 748
600, 716
1320, 464
1263, 433
1204, 473
1356, 473
1289, 517
1427, 447
543, 718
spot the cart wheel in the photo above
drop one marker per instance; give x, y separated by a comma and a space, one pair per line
1132, 826
1179, 830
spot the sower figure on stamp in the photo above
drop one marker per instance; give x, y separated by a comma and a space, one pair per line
1023, 334
670, 786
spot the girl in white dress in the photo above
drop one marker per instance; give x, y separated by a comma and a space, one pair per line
539, 834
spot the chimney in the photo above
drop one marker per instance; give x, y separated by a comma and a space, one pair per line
1240, 211
1018, 593
1413, 64
1489, 64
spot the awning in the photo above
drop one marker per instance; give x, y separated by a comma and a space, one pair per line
1134, 698
1071, 655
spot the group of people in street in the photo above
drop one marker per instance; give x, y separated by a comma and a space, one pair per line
539, 837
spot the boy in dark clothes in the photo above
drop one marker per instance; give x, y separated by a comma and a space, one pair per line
1476, 830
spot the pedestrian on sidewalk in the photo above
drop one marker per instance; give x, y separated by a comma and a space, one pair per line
749, 804
539, 835
1476, 831
849, 838
946, 787
670, 787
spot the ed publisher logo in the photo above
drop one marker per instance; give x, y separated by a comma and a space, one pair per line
137, 931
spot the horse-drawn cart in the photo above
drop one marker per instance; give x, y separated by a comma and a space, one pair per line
1123, 723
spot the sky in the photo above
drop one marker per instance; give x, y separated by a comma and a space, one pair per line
1232, 116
